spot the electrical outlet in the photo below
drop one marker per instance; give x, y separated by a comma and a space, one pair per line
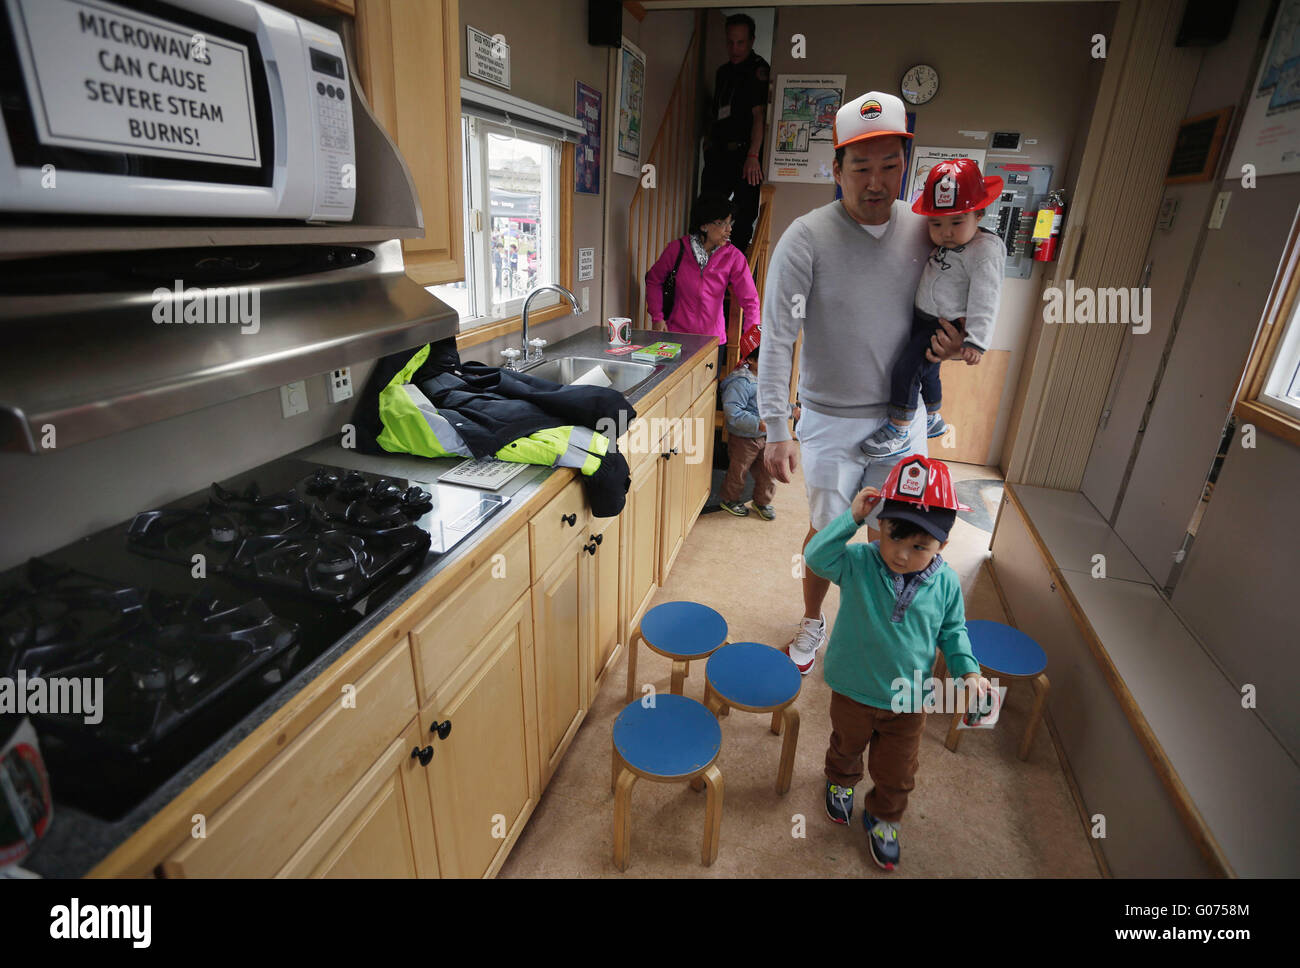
1220, 210
586, 298
293, 398
338, 384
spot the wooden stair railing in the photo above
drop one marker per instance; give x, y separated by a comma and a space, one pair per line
760, 251
658, 215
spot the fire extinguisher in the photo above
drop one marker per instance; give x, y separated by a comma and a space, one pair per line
1047, 227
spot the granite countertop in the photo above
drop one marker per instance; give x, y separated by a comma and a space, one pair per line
76, 841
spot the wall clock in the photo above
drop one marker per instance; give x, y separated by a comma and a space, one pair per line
920, 84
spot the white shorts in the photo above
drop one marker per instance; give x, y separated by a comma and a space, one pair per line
835, 469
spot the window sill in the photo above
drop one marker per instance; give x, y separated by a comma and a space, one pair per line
490, 331
1271, 421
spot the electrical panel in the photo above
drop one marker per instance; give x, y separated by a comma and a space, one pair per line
1024, 188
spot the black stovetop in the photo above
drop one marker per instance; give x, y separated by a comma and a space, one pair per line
193, 614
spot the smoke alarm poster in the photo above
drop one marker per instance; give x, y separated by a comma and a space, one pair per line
803, 118
105, 78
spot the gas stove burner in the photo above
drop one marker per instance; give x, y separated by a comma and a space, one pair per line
322, 482
222, 530
334, 561
353, 484
416, 501
385, 492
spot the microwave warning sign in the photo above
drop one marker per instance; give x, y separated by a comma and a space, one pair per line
105, 78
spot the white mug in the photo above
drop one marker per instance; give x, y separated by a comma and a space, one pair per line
618, 330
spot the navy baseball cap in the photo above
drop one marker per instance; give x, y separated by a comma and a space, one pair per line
936, 522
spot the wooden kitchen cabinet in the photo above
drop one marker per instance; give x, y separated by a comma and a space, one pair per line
640, 540
482, 778
672, 469
699, 476
561, 633
604, 598
382, 828
409, 68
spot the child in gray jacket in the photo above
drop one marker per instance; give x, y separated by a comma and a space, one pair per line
961, 283
746, 433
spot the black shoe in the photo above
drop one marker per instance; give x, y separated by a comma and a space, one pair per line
883, 837
736, 507
839, 802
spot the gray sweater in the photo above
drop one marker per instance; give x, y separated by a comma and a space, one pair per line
855, 296
965, 281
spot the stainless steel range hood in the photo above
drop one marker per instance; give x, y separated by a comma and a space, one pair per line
94, 364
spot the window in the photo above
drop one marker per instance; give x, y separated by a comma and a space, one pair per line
1271, 387
512, 216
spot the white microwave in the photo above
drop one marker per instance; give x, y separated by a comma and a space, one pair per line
210, 109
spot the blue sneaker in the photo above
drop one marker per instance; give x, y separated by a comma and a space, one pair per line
886, 441
839, 802
934, 425
883, 836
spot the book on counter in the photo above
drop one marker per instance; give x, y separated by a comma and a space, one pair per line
656, 352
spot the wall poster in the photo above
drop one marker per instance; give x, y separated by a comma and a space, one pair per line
803, 114
630, 105
586, 155
1269, 137
923, 159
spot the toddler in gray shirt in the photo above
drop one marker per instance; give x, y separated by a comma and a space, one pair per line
961, 283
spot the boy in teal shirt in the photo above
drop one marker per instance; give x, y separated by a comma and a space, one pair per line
898, 602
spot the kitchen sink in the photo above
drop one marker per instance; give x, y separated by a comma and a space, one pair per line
623, 375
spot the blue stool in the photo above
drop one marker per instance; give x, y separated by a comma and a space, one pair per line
758, 679
1006, 653
673, 740
680, 631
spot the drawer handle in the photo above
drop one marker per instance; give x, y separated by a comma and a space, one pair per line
1053, 586
423, 755
666, 456
708, 366
598, 538
443, 729
673, 451
590, 548
570, 519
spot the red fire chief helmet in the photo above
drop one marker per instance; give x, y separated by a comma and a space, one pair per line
749, 341
955, 187
924, 481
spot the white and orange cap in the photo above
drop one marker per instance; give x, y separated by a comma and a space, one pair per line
873, 115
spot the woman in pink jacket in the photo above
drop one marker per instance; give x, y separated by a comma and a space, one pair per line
706, 264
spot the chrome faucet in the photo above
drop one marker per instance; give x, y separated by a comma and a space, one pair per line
532, 349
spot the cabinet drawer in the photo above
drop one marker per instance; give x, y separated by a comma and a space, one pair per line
264, 824
445, 638
705, 373
555, 526
680, 397
642, 438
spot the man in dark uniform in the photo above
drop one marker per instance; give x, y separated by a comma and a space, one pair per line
735, 138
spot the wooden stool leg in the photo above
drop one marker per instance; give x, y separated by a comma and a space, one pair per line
1041, 687
623, 819
954, 734
631, 663
777, 718
712, 815
679, 674
616, 767
786, 771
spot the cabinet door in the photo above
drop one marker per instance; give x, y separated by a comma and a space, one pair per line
561, 631
699, 475
482, 776
410, 70
641, 541
604, 594
672, 499
382, 828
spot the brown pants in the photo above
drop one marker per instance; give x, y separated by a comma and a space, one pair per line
895, 740
746, 453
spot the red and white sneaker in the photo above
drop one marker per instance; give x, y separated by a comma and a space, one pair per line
810, 637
